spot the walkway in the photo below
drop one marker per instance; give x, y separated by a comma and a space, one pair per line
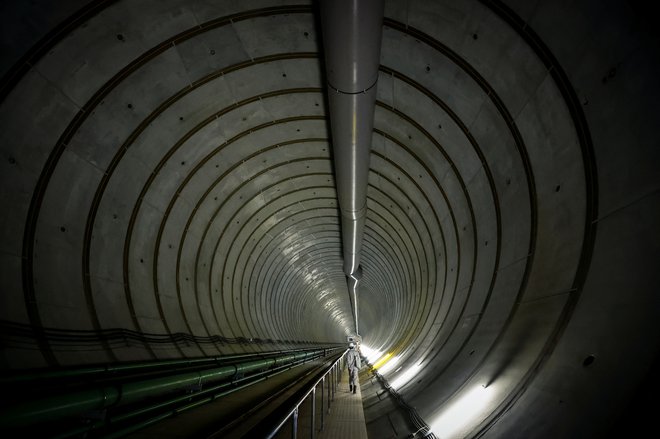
346, 418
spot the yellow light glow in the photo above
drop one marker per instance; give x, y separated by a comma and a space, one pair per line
389, 366
382, 360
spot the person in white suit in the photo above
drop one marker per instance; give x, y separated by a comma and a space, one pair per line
353, 364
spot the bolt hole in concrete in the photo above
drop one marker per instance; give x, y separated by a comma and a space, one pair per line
120, 37
12, 160
589, 360
130, 106
180, 117
212, 52
62, 229
428, 68
475, 36
610, 74
558, 188
283, 75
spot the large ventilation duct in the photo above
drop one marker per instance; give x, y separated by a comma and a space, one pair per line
352, 31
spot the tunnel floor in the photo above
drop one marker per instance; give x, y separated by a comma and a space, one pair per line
346, 418
234, 415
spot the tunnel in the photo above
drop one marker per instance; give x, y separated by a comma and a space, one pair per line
169, 192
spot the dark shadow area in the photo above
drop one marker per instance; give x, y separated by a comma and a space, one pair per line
638, 418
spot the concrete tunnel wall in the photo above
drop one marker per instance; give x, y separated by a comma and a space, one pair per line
166, 168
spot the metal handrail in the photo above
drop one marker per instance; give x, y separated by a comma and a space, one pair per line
332, 373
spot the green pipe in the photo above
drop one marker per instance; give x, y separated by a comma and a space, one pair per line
168, 414
62, 406
134, 427
213, 391
126, 367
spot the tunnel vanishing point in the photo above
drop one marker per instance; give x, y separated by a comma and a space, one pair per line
169, 191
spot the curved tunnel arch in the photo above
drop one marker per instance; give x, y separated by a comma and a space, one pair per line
171, 172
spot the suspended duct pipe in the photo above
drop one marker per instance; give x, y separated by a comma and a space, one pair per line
352, 33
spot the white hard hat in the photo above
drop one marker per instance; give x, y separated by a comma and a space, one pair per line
351, 345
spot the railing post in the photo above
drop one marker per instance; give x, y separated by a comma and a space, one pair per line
332, 386
329, 390
322, 403
313, 429
335, 383
294, 424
